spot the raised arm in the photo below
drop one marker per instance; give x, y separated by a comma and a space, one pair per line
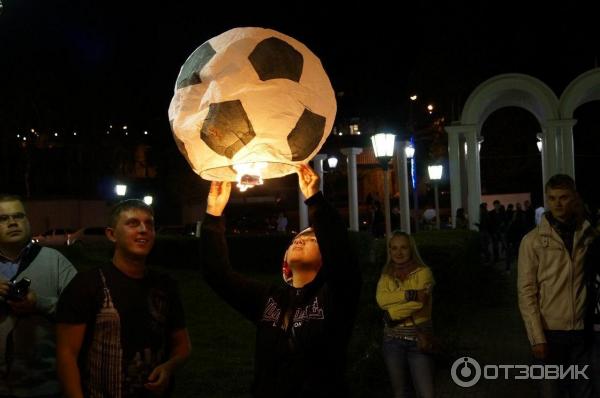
340, 268
244, 294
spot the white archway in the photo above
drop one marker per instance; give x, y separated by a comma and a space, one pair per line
513, 89
585, 88
498, 92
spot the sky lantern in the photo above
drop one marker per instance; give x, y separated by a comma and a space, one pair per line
251, 104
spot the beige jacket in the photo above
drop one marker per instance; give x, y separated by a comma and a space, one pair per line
551, 284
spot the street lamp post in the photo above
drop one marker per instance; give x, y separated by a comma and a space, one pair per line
383, 146
435, 174
540, 147
332, 163
410, 154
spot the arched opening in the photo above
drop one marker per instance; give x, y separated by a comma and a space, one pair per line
586, 139
510, 160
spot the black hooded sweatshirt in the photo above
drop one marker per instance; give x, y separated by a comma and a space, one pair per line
308, 357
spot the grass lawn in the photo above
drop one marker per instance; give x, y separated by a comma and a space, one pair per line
221, 364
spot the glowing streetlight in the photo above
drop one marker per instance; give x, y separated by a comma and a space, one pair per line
413, 97
148, 199
332, 162
121, 189
410, 151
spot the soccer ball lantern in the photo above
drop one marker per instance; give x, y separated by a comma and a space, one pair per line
249, 104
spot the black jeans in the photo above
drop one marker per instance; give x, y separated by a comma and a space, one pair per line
567, 348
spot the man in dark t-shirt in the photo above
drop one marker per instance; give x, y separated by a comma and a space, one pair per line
121, 328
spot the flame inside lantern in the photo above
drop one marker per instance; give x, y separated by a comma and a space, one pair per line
249, 174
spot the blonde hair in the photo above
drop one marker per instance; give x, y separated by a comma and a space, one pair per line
414, 252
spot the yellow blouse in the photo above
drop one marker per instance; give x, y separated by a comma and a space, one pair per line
391, 295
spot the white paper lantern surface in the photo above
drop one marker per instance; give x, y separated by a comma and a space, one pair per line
249, 104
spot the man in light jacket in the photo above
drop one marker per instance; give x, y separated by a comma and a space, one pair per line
551, 287
27, 338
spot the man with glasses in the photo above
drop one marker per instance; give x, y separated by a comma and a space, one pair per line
27, 339
303, 327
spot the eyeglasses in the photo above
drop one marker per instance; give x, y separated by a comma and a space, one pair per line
305, 240
5, 218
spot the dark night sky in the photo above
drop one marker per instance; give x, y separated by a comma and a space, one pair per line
83, 64
87, 61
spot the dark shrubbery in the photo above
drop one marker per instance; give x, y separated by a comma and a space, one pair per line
454, 259
461, 285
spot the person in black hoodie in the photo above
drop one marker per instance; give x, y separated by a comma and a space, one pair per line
303, 329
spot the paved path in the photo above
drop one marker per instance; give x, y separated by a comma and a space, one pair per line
494, 335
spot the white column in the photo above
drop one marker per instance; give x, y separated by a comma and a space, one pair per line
386, 203
402, 176
302, 211
454, 150
318, 163
564, 142
552, 160
352, 186
473, 175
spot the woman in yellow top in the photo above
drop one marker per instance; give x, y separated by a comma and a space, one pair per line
404, 292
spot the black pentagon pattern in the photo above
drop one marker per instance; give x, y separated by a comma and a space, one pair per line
227, 128
190, 71
273, 58
307, 134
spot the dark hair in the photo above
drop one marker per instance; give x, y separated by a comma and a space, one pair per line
561, 181
125, 205
5, 197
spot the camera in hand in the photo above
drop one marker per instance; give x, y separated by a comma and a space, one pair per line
18, 290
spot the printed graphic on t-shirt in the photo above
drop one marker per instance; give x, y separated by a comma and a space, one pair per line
311, 311
272, 312
105, 357
109, 375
